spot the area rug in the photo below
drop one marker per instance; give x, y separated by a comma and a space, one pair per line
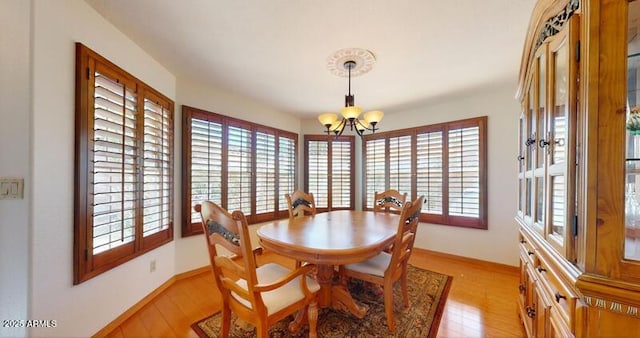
427, 294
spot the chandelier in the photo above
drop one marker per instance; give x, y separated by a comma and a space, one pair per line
351, 113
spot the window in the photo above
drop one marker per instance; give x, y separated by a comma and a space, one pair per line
124, 166
330, 171
237, 164
445, 162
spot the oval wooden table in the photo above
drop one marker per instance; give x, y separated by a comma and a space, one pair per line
329, 239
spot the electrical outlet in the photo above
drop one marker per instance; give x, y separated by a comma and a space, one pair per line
152, 265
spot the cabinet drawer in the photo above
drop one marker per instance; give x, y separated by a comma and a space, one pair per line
527, 250
557, 326
563, 298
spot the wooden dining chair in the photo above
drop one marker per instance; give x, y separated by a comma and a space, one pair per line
300, 204
387, 268
389, 200
261, 295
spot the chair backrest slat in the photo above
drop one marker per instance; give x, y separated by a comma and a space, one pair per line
406, 234
230, 231
300, 204
389, 200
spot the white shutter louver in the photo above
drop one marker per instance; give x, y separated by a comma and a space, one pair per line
464, 172
340, 174
318, 158
400, 159
114, 165
286, 169
429, 170
157, 168
265, 172
375, 169
239, 170
206, 164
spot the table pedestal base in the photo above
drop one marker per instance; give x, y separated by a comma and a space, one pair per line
337, 295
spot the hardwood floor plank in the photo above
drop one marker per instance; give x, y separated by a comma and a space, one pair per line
116, 333
481, 301
154, 322
177, 320
133, 327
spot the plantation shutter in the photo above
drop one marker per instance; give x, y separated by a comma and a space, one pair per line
341, 174
464, 171
286, 169
374, 169
429, 170
400, 159
157, 166
318, 170
123, 167
265, 172
446, 163
113, 167
239, 169
206, 164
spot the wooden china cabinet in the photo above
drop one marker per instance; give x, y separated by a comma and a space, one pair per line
579, 170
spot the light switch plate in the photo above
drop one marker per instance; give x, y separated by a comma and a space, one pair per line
11, 188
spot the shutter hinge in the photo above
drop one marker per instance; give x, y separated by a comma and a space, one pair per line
578, 51
575, 225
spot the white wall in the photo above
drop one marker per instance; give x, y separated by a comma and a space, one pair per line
79, 310
15, 134
499, 242
191, 252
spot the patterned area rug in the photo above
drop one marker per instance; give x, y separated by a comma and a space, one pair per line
427, 293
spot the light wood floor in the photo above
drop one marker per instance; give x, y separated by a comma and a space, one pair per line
481, 302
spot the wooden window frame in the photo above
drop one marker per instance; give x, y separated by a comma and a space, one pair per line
344, 138
191, 227
88, 264
481, 222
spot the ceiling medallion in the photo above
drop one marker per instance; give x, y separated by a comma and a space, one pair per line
363, 58
350, 61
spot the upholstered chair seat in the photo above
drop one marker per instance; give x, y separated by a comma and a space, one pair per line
281, 297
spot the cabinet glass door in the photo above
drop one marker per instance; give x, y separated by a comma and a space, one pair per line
560, 137
558, 128
522, 149
632, 177
541, 151
530, 144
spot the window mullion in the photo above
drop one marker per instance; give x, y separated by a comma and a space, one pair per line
139, 172
445, 173
387, 164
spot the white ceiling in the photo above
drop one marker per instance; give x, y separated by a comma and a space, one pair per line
275, 51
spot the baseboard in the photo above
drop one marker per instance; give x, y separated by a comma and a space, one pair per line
194, 272
477, 262
147, 299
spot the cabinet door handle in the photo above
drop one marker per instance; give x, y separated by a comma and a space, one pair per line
530, 253
523, 241
542, 143
531, 312
521, 288
541, 269
559, 296
520, 158
530, 141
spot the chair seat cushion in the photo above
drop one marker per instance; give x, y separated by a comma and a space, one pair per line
375, 266
278, 299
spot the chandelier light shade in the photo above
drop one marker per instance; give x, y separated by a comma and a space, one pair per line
350, 112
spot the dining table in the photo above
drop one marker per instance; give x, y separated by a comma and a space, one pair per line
330, 239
